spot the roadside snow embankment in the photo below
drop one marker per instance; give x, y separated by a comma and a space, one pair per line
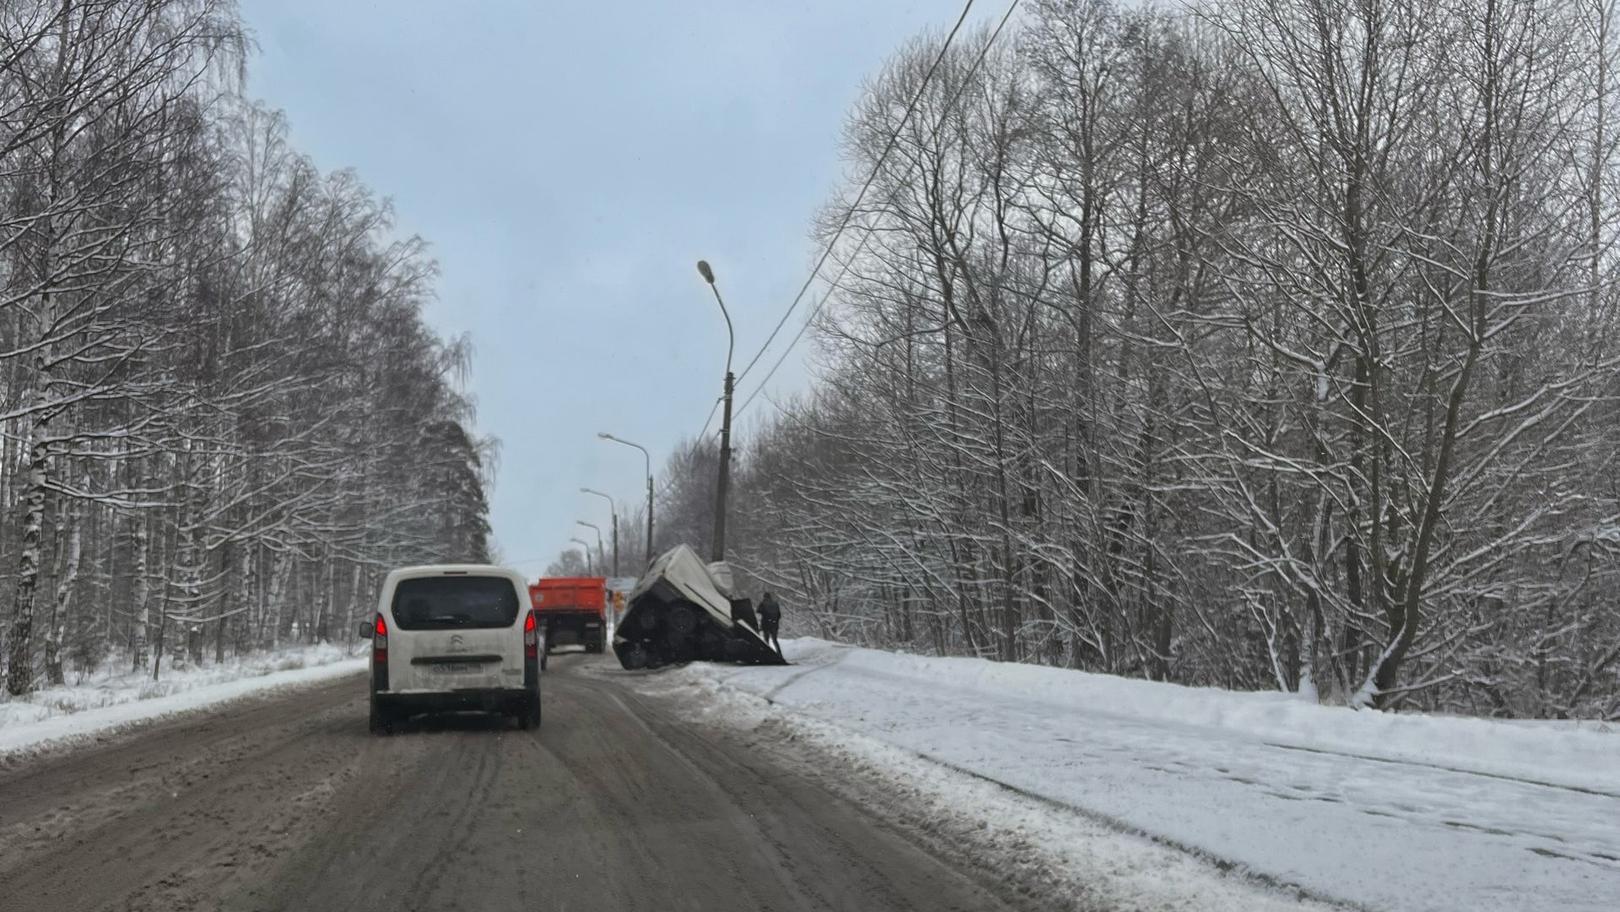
1387, 811
112, 698
1574, 754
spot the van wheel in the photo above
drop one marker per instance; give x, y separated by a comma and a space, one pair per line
381, 721
529, 718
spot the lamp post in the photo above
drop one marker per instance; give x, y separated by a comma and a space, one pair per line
601, 557
722, 488
590, 568
613, 511
648, 457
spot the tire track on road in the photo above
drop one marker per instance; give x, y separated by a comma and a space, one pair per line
288, 804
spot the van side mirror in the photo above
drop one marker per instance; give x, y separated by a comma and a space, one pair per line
365, 630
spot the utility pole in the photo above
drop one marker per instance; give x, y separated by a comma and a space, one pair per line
648, 457
590, 568
601, 557
613, 511
723, 486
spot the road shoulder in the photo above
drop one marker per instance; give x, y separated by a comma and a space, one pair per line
23, 743
1020, 844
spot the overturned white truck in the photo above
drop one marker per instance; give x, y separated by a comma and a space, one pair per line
682, 610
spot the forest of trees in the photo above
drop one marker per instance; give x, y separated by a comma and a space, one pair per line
221, 414
1267, 344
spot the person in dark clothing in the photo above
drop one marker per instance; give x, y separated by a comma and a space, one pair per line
743, 611
770, 618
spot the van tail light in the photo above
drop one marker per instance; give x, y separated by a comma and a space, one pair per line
379, 654
531, 653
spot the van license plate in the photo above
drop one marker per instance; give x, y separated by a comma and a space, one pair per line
459, 667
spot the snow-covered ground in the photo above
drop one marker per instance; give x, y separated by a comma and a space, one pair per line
113, 697
1380, 810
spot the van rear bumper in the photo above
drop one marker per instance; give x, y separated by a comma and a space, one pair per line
482, 699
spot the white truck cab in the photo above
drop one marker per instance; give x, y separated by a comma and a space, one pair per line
453, 637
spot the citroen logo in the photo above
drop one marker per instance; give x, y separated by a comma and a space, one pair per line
457, 644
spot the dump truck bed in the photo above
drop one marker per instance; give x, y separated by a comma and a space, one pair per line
569, 593
571, 609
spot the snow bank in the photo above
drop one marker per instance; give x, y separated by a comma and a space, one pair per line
1386, 811
1580, 755
1067, 860
112, 698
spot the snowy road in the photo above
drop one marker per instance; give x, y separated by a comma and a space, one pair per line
286, 803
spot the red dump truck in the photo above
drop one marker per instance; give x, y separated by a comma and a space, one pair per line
570, 610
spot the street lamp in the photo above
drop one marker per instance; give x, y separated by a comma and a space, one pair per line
613, 511
723, 487
601, 557
590, 568
647, 456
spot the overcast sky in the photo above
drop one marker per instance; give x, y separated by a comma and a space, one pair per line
569, 163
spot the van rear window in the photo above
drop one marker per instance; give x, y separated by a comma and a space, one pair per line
454, 602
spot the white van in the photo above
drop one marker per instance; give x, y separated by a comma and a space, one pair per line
453, 637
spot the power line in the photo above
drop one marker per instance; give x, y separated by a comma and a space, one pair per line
849, 213
709, 420
833, 286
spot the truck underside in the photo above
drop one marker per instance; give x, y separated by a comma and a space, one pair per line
573, 628
678, 613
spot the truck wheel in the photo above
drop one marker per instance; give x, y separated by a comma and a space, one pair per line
675, 641
634, 657
712, 645
682, 620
